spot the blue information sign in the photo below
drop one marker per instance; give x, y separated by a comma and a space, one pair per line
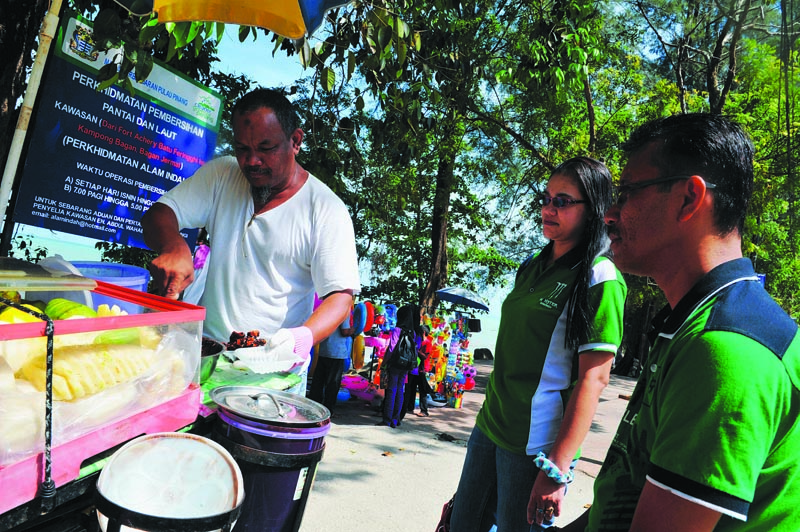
98, 159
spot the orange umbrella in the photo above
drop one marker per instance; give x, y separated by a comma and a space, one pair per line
290, 18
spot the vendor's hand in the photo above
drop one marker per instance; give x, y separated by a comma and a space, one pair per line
172, 272
287, 346
297, 340
546, 496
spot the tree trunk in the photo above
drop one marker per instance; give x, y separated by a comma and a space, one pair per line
20, 22
449, 148
587, 95
441, 212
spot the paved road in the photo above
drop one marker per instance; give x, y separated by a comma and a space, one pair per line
366, 467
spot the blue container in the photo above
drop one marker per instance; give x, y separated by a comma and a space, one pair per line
125, 275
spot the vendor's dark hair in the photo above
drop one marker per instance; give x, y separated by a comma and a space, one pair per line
594, 181
270, 99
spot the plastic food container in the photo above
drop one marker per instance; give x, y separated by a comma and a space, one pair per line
114, 377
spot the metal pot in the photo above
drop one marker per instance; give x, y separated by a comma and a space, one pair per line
209, 355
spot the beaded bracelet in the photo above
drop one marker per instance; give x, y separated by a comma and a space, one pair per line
552, 471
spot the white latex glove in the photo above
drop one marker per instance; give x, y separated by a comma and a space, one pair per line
286, 350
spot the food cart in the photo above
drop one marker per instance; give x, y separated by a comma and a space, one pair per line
75, 387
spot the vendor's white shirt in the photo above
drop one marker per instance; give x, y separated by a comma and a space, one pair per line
263, 270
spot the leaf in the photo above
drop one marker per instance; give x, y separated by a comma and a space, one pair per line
328, 79
147, 35
107, 71
180, 33
194, 30
351, 64
305, 54
171, 49
244, 31
108, 26
143, 67
220, 30
360, 103
107, 83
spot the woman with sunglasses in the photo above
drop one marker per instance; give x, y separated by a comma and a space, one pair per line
560, 329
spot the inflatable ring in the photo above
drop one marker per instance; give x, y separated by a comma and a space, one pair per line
370, 315
355, 383
359, 318
358, 352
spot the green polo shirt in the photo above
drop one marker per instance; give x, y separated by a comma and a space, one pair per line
525, 395
714, 416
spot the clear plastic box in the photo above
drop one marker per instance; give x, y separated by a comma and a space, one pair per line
114, 377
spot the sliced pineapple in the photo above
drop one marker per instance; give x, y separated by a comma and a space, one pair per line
82, 370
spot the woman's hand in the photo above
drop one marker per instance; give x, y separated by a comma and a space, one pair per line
546, 496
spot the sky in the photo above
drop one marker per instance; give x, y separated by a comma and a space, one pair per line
254, 58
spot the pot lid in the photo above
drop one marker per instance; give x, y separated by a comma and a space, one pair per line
270, 406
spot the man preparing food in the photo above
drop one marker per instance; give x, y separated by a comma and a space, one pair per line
280, 235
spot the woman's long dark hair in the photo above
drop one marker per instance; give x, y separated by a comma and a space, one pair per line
594, 181
408, 317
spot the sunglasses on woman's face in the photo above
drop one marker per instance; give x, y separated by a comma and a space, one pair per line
558, 202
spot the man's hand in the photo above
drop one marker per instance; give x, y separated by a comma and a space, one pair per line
285, 346
172, 272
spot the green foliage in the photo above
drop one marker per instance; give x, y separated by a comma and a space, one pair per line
23, 247
437, 121
122, 254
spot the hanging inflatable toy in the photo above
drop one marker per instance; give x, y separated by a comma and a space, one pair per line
391, 318
469, 383
359, 318
358, 352
469, 371
370, 315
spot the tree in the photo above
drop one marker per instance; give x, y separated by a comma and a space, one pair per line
698, 42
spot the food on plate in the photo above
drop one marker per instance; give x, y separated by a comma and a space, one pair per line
249, 339
81, 370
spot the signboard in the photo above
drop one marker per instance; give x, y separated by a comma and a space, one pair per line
98, 160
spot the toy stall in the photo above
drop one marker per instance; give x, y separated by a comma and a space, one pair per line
449, 367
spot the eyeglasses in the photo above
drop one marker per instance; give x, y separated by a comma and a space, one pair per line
621, 192
557, 201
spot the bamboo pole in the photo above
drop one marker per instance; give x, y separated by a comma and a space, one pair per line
46, 34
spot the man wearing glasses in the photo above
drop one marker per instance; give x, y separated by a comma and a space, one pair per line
710, 439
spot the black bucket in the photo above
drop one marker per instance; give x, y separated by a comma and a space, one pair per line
277, 438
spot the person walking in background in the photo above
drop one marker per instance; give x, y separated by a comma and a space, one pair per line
333, 351
560, 327
711, 435
418, 379
407, 320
